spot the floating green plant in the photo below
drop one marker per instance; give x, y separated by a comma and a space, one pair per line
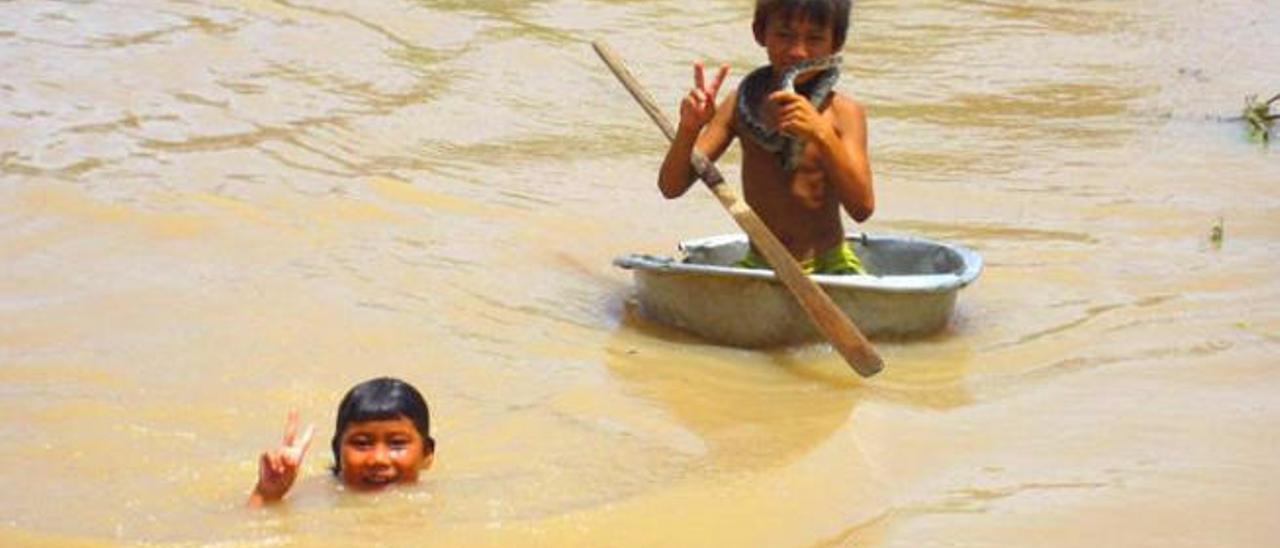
1217, 233
1258, 118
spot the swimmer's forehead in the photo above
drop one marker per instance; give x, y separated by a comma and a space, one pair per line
390, 424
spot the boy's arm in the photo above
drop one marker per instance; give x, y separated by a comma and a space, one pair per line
278, 468
712, 141
842, 147
845, 157
703, 126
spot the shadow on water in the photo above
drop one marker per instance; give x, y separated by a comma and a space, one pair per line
739, 403
711, 388
772, 413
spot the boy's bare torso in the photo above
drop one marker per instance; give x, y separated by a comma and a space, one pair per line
800, 207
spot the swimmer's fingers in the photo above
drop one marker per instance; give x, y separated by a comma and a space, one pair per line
275, 477
699, 79
290, 428
299, 451
270, 465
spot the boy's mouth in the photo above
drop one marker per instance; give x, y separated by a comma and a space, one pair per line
379, 481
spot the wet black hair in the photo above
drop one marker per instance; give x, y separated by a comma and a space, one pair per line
821, 12
381, 399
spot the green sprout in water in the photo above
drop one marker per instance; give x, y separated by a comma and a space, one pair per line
1258, 117
1216, 234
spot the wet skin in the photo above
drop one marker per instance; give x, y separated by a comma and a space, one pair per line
373, 455
380, 453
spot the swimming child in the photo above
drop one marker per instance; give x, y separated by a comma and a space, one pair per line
382, 438
804, 153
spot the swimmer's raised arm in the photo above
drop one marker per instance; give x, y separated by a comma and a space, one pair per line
277, 468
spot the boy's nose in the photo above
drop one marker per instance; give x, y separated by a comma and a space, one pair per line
797, 51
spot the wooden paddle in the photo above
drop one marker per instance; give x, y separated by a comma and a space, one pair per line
833, 324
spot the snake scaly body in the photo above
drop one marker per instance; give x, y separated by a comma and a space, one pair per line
756, 87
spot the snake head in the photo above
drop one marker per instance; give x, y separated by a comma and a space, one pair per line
818, 64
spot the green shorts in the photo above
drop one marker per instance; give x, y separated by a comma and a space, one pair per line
837, 260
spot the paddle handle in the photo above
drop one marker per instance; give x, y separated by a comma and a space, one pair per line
830, 321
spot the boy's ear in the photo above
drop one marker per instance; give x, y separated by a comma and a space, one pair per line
757, 28
428, 453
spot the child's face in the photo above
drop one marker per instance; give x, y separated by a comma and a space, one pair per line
375, 454
791, 40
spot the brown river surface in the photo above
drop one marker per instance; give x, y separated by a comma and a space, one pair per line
214, 211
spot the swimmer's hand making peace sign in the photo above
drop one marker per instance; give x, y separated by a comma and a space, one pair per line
278, 467
699, 106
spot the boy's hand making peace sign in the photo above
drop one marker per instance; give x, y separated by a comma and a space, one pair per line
699, 106
278, 467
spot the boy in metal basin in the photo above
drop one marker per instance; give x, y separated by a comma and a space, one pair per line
804, 152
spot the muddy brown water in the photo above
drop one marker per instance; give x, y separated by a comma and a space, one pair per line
215, 211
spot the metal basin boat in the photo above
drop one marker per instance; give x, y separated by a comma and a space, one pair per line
910, 290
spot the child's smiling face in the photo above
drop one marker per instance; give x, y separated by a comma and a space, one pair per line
790, 40
379, 453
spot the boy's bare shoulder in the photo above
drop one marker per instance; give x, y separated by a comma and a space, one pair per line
849, 115
846, 105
